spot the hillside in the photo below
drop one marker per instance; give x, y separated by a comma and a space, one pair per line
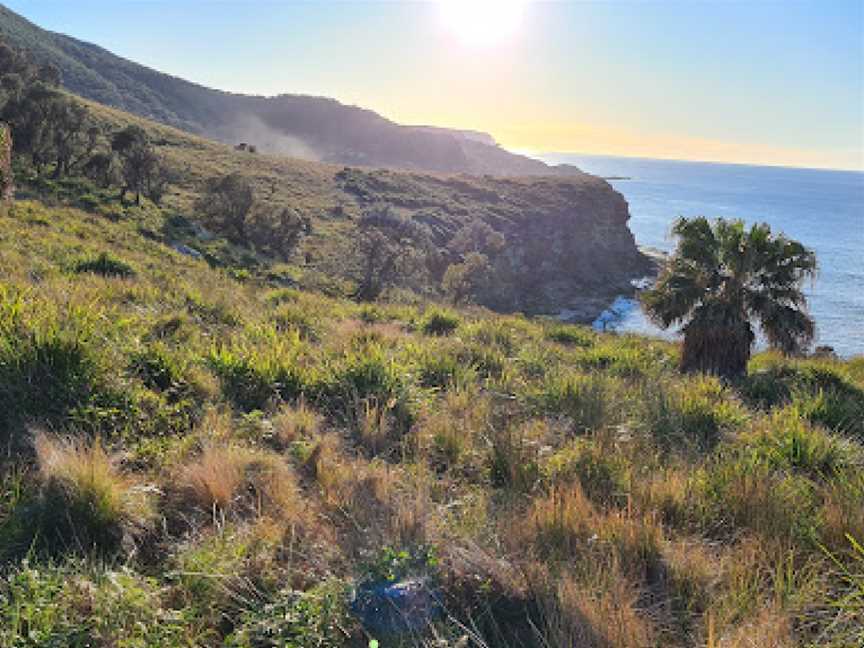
243, 465
566, 240
207, 443
300, 126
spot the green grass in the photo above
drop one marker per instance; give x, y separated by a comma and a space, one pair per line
258, 446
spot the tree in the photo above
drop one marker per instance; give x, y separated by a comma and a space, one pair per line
144, 173
227, 200
466, 279
384, 247
33, 114
100, 167
74, 138
723, 276
477, 236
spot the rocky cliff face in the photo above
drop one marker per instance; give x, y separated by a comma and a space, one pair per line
572, 249
568, 246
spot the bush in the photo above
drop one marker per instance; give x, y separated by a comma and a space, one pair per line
83, 502
689, 415
734, 492
587, 400
600, 472
252, 380
105, 265
785, 441
368, 379
513, 458
156, 369
822, 391
44, 376
571, 335
439, 322
290, 318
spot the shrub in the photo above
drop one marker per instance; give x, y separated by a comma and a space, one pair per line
513, 459
688, 415
105, 265
820, 389
439, 322
45, 376
289, 318
83, 502
439, 366
253, 379
587, 400
491, 333
569, 335
600, 471
785, 441
732, 493
364, 378
156, 369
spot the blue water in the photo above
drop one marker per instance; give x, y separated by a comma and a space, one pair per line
822, 209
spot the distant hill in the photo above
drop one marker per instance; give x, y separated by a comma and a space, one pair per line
315, 128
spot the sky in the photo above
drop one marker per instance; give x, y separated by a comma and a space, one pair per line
764, 82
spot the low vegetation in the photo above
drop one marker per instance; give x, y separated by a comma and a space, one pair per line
199, 449
197, 459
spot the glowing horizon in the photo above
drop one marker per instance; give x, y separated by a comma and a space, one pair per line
754, 83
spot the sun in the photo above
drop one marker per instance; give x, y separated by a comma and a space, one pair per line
482, 23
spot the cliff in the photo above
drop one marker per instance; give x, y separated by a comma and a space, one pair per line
567, 243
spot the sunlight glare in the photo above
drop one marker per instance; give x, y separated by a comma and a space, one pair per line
482, 23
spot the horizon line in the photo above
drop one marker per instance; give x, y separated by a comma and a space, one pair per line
535, 155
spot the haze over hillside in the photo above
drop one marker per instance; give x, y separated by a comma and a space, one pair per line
315, 128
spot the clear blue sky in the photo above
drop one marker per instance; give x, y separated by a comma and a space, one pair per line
765, 82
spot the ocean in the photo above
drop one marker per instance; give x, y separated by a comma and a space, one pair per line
822, 209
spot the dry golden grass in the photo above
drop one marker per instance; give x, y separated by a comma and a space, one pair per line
87, 495
565, 526
768, 628
227, 479
214, 479
575, 615
374, 424
295, 422
452, 432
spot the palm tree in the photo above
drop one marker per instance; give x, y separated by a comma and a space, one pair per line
720, 279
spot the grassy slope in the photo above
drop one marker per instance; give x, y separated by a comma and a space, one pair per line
263, 445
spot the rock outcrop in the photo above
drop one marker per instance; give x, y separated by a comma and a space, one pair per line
567, 243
